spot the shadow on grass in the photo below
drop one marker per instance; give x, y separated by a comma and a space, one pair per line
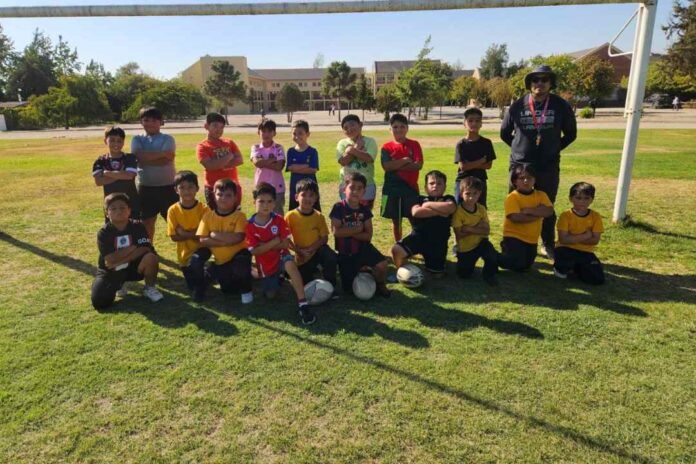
651, 229
594, 443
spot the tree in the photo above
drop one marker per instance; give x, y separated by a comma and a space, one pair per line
7, 59
175, 98
513, 68
494, 62
33, 72
462, 90
480, 93
318, 61
65, 60
681, 55
662, 79
387, 100
595, 78
290, 99
129, 82
336, 81
364, 99
499, 92
225, 85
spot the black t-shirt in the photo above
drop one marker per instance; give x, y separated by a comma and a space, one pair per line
110, 239
436, 227
127, 163
349, 217
473, 150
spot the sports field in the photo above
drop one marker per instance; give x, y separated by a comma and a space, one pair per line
535, 370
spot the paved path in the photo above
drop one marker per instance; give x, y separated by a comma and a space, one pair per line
607, 118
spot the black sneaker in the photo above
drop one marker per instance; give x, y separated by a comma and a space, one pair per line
306, 315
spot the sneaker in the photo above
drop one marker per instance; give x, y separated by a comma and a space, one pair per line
382, 290
122, 292
455, 250
560, 275
546, 252
391, 279
152, 293
247, 298
306, 315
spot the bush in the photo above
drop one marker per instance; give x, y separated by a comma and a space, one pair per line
586, 113
175, 99
24, 118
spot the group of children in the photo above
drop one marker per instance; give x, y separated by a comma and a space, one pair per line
295, 245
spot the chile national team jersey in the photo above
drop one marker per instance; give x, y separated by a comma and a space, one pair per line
256, 235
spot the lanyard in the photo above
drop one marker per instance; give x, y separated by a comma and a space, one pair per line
542, 118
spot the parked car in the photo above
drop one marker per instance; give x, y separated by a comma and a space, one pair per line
659, 100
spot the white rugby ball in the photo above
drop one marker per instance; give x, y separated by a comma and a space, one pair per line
364, 286
318, 291
410, 275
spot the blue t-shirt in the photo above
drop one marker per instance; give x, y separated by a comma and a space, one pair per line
310, 157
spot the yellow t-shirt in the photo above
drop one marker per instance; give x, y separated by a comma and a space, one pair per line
233, 222
306, 228
463, 217
574, 224
528, 232
186, 218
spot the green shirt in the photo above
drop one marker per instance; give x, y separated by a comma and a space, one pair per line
366, 169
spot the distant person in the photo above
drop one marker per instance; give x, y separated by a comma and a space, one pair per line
269, 159
537, 127
579, 232
219, 157
402, 160
593, 106
474, 154
156, 170
115, 171
676, 103
302, 162
356, 154
263, 113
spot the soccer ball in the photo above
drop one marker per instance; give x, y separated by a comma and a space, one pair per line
318, 291
364, 286
410, 276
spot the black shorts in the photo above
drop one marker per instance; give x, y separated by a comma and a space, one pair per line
398, 206
129, 274
434, 251
350, 265
156, 200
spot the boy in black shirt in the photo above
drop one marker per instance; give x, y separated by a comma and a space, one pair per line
431, 227
116, 170
474, 154
125, 254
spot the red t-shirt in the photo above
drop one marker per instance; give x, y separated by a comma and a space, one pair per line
214, 149
394, 150
256, 235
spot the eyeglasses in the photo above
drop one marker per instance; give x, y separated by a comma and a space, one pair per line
538, 79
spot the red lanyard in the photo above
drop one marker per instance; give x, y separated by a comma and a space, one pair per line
542, 118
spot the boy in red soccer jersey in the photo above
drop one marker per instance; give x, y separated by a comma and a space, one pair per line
267, 235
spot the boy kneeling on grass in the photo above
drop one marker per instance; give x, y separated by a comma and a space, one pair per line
125, 254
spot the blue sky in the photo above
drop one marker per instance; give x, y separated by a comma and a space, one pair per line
164, 46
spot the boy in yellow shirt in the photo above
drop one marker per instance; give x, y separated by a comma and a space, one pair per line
183, 218
579, 231
224, 232
525, 209
471, 228
310, 234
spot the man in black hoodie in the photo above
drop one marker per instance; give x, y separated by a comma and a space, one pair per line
537, 127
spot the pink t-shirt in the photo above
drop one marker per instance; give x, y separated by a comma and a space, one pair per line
274, 152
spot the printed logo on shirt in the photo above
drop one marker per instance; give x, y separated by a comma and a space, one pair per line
274, 230
115, 165
123, 241
527, 121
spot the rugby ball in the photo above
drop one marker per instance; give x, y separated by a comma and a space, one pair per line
364, 286
410, 275
318, 291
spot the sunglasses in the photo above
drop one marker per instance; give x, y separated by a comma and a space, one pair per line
540, 79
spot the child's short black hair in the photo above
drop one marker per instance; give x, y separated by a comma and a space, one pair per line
186, 176
114, 197
151, 112
114, 131
302, 124
215, 117
520, 169
266, 124
356, 177
264, 188
398, 117
473, 110
350, 117
436, 174
307, 185
583, 188
471, 182
225, 184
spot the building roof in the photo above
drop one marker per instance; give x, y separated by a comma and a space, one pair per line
294, 74
588, 51
13, 104
395, 66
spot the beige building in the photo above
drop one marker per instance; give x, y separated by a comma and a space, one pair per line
264, 84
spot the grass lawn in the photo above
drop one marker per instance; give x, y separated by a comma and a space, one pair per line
535, 370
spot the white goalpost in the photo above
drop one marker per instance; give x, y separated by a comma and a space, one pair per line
645, 24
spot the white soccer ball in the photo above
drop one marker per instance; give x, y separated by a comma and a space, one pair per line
364, 286
410, 275
318, 291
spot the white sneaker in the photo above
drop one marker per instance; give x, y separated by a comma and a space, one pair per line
247, 298
152, 293
455, 250
122, 292
560, 275
547, 252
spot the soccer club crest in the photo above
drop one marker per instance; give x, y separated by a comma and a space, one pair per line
115, 165
274, 230
123, 241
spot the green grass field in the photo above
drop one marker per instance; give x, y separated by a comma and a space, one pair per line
535, 370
